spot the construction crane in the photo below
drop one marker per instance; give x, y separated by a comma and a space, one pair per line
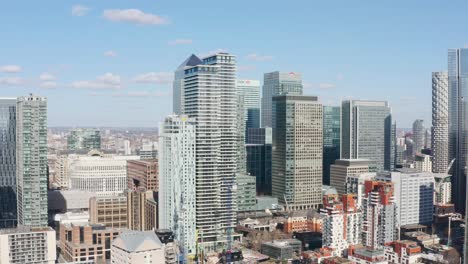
450, 166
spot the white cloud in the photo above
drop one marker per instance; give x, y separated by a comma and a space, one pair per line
110, 53
47, 77
155, 77
180, 41
326, 86
10, 81
256, 57
106, 81
48, 84
10, 68
134, 16
79, 10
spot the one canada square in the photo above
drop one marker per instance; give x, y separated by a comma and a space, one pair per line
205, 89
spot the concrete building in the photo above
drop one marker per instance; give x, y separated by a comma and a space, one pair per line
31, 160
414, 195
27, 245
341, 225
440, 117
274, 84
111, 211
81, 243
258, 148
404, 252
443, 188
105, 176
331, 139
379, 211
423, 162
135, 247
249, 90
297, 151
84, 139
8, 210
62, 179
368, 256
141, 210
171, 250
344, 168
284, 249
62, 201
246, 193
177, 196
366, 132
418, 136
210, 96
143, 174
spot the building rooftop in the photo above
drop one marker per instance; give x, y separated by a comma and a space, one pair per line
370, 253
138, 241
282, 243
352, 162
24, 229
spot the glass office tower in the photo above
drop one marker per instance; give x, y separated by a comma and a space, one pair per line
7, 162
331, 139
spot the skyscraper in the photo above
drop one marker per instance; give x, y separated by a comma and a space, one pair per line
177, 197
440, 126
31, 166
258, 149
458, 122
331, 139
418, 136
278, 83
297, 151
8, 216
210, 96
178, 85
249, 90
366, 132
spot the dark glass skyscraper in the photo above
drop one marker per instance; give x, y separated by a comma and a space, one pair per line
7, 162
331, 139
458, 122
258, 149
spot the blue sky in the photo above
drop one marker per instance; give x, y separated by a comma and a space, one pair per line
109, 63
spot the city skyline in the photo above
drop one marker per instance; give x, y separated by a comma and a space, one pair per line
130, 50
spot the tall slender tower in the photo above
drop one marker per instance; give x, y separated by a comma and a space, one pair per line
209, 95
31, 167
440, 126
366, 129
418, 136
177, 198
278, 83
8, 209
297, 151
458, 122
331, 139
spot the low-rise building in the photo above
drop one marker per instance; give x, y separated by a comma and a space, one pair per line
367, 256
86, 242
27, 245
283, 249
303, 221
403, 252
135, 247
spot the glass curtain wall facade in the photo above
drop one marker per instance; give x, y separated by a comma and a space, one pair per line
7, 162
331, 139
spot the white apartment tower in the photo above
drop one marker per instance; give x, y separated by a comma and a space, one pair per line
379, 214
440, 126
341, 223
31, 163
208, 94
177, 197
414, 195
